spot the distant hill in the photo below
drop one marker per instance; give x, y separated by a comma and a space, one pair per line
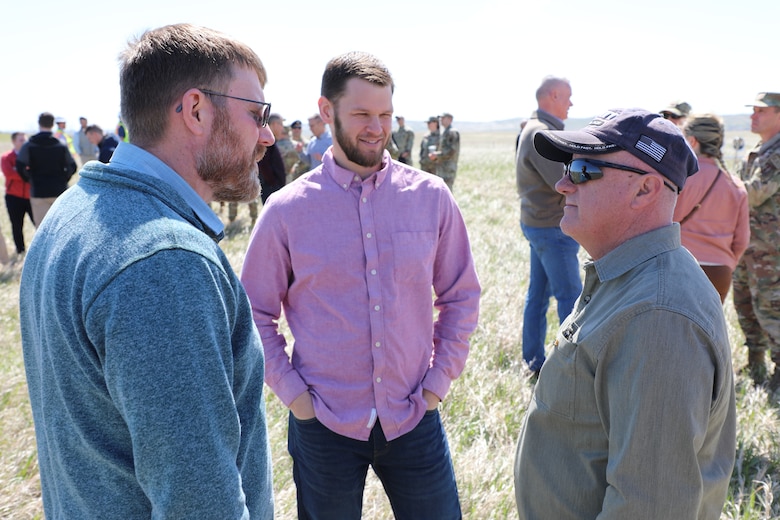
734, 123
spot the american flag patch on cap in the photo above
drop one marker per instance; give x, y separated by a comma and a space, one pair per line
651, 148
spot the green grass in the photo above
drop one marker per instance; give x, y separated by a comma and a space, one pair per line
485, 407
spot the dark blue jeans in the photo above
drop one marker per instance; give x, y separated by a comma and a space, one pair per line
555, 271
415, 469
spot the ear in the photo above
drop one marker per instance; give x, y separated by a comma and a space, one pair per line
195, 112
648, 191
327, 110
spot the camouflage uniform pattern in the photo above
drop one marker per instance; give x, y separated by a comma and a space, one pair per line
301, 165
393, 149
289, 155
428, 140
757, 277
233, 211
404, 140
447, 163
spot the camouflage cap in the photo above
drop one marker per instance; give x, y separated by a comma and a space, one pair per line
446, 114
275, 117
433, 119
766, 99
677, 108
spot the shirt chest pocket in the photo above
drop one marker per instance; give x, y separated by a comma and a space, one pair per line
557, 387
413, 256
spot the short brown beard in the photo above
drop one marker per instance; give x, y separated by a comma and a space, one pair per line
232, 176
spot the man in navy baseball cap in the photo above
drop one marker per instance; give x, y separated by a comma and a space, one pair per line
646, 339
645, 135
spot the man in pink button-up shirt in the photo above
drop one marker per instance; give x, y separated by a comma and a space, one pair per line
352, 251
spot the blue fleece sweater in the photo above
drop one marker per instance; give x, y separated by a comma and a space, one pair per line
144, 367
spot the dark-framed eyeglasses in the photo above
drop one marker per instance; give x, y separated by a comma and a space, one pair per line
669, 115
580, 171
265, 108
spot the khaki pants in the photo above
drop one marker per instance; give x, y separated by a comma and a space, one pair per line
3, 250
40, 206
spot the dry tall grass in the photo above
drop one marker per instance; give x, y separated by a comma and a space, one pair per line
484, 410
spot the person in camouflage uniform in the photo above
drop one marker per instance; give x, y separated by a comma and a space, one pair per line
393, 149
446, 155
757, 277
296, 136
429, 144
404, 140
283, 143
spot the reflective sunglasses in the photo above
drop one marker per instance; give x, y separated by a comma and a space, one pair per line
580, 171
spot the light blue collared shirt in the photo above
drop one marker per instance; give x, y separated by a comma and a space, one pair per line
132, 157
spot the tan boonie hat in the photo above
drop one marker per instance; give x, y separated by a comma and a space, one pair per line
766, 99
677, 108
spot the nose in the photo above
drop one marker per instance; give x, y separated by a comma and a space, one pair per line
564, 185
265, 136
374, 125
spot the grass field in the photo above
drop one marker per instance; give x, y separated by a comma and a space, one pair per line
485, 408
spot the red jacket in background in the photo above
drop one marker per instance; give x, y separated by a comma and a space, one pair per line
14, 184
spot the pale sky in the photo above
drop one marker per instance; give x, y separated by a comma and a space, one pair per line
481, 60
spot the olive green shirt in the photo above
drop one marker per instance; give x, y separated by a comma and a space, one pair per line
633, 416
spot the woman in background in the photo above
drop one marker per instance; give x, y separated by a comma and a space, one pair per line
712, 209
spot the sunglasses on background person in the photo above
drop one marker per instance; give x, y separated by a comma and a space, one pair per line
580, 171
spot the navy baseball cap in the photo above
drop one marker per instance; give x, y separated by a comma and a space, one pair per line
645, 135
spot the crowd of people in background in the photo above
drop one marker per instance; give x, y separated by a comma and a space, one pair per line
291, 156
172, 347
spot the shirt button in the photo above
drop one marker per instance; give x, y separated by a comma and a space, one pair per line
365, 199
357, 178
378, 344
373, 271
344, 186
378, 379
368, 235
376, 307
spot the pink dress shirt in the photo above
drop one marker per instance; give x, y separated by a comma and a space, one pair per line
719, 231
359, 267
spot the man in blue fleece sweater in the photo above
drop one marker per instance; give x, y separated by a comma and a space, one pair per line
144, 367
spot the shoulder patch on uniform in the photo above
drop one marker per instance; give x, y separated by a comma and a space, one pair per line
774, 160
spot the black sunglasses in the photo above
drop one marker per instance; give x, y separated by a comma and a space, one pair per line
580, 171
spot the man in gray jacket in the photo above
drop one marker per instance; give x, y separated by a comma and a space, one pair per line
553, 255
144, 367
